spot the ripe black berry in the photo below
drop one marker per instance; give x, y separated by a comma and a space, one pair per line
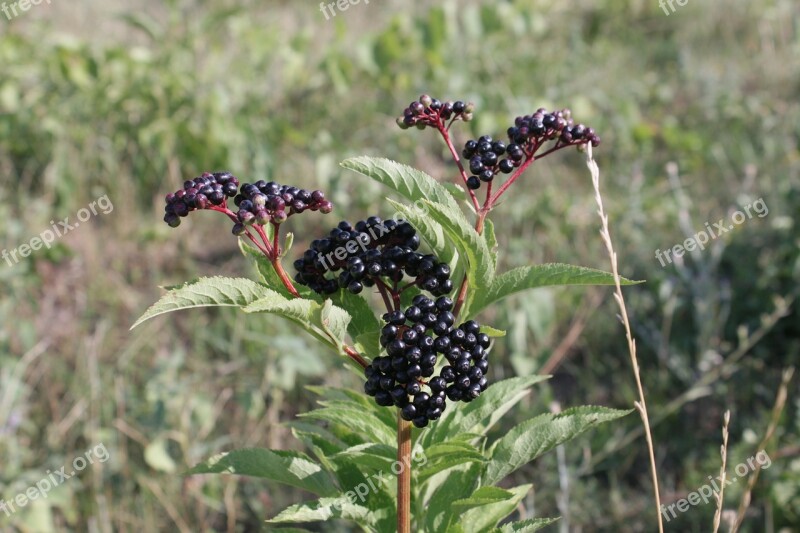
412, 355
369, 252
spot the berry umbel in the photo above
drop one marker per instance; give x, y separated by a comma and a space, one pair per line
371, 252
259, 203
488, 158
414, 340
431, 112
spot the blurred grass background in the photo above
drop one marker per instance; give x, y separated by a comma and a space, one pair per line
130, 99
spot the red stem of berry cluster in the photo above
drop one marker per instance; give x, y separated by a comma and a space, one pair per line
491, 200
272, 252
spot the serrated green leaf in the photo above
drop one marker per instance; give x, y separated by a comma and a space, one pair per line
324, 509
364, 327
282, 466
469, 245
207, 292
268, 274
288, 241
299, 310
489, 505
370, 456
547, 275
457, 483
480, 414
326, 322
526, 526
493, 332
532, 438
334, 322
482, 496
352, 399
441, 456
491, 240
457, 191
369, 427
433, 233
407, 181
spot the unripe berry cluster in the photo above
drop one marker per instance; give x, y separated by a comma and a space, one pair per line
266, 201
526, 136
373, 251
413, 341
428, 111
200, 193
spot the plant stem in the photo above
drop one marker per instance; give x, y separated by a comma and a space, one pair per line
641, 405
404, 477
449, 142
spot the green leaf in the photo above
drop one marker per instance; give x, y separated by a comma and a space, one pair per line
298, 310
207, 292
458, 483
469, 245
444, 455
489, 505
433, 233
457, 191
491, 239
282, 466
355, 399
365, 424
482, 496
324, 509
364, 326
531, 277
532, 438
326, 322
268, 274
376, 457
493, 332
334, 322
288, 241
407, 181
526, 526
480, 414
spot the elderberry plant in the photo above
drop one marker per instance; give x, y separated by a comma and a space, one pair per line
398, 297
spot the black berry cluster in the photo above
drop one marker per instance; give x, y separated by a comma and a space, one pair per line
413, 341
526, 136
371, 251
200, 193
429, 111
266, 201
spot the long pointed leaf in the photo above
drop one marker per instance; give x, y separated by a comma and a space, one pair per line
532, 438
531, 277
282, 466
208, 292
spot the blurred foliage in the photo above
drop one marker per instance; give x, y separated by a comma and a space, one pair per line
129, 105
